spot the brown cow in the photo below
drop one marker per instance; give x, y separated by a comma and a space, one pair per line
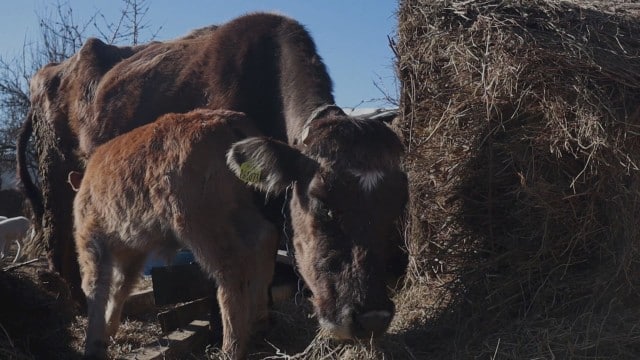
61, 94
165, 185
61, 97
348, 191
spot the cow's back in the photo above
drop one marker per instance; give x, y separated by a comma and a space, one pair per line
240, 66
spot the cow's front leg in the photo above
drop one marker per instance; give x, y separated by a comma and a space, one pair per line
261, 277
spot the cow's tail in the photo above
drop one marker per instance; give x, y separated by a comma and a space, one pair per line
30, 189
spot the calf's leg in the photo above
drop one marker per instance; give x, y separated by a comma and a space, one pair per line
243, 292
233, 297
96, 272
127, 266
241, 260
230, 264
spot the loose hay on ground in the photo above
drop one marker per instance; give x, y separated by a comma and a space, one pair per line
35, 315
522, 121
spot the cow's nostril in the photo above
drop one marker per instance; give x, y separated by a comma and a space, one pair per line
374, 322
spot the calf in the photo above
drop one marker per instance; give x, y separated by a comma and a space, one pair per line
13, 229
162, 186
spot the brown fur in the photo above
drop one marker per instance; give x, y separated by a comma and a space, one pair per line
60, 96
345, 230
265, 65
261, 64
162, 185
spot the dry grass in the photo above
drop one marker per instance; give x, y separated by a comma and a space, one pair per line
35, 316
295, 335
42, 322
522, 124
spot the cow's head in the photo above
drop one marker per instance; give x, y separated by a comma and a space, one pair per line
348, 192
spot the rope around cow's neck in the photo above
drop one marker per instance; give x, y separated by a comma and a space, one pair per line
288, 243
316, 114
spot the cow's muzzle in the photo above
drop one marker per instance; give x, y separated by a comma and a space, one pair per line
357, 325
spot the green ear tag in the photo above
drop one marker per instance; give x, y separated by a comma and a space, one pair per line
249, 172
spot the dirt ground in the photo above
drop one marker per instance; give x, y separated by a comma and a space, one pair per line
39, 321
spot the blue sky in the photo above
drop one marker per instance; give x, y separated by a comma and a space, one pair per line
351, 35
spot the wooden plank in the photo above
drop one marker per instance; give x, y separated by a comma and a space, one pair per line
183, 314
283, 257
180, 283
176, 345
184, 283
139, 303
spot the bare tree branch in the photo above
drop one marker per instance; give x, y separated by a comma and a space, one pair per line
61, 35
128, 28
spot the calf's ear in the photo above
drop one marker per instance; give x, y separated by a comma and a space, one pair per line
266, 164
74, 179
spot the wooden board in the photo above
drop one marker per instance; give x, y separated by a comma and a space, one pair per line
183, 283
188, 284
176, 345
183, 314
139, 303
180, 283
283, 257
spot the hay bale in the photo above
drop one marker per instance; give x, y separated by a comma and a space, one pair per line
522, 123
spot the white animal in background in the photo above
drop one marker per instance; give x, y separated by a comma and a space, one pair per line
13, 229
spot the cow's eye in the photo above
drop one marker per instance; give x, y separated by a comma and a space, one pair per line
323, 212
329, 214
326, 214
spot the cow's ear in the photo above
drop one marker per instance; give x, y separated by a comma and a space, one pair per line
267, 164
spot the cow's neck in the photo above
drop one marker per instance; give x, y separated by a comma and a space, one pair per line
300, 112
298, 121
319, 113
305, 85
